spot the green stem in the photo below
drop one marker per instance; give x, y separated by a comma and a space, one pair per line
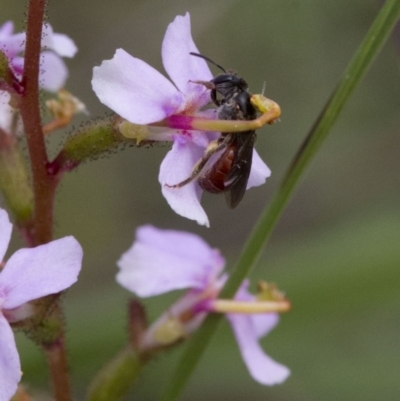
14, 181
373, 42
117, 377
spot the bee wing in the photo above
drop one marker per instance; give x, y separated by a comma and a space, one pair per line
236, 180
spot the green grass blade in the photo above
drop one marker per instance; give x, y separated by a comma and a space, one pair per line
358, 66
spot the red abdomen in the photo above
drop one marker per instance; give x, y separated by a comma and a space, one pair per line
213, 180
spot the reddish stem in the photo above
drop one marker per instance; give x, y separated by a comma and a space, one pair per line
43, 184
58, 366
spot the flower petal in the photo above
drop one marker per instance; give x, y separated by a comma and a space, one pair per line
134, 89
5, 233
262, 323
6, 30
17, 66
11, 44
181, 66
35, 272
164, 260
54, 72
10, 367
259, 171
176, 167
261, 367
62, 44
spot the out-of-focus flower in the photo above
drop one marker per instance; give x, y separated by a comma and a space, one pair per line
27, 275
6, 112
54, 72
141, 95
164, 260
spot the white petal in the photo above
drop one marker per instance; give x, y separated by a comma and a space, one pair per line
10, 367
134, 89
5, 233
181, 66
176, 167
35, 272
160, 261
63, 45
259, 171
6, 111
261, 367
53, 72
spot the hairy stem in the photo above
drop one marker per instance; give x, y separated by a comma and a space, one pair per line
43, 184
58, 366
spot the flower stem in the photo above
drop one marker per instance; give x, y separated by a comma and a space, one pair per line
358, 66
14, 182
58, 366
43, 184
117, 377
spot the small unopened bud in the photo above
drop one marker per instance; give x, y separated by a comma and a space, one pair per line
63, 109
137, 323
169, 332
21, 394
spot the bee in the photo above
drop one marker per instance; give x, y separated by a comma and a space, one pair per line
230, 172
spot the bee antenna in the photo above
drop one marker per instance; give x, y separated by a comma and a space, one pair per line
209, 60
263, 87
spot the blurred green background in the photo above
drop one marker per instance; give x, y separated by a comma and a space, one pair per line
336, 250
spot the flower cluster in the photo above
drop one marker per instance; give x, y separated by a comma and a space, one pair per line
160, 261
141, 95
29, 274
53, 71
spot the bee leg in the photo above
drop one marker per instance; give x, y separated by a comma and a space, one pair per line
212, 148
207, 84
211, 86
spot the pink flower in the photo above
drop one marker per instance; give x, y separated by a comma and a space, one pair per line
160, 261
29, 274
141, 95
54, 72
